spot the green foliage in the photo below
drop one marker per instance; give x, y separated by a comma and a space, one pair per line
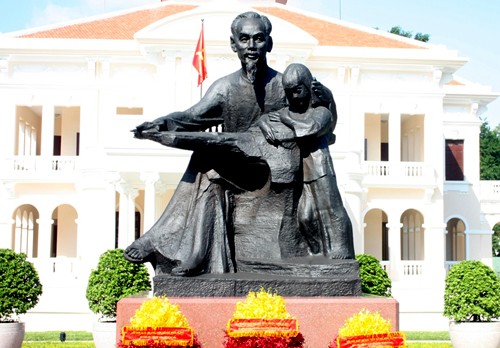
20, 285
54, 336
418, 36
374, 279
422, 37
427, 335
58, 345
489, 144
399, 31
472, 292
495, 241
489, 147
114, 279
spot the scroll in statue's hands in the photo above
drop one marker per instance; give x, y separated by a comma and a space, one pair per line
141, 130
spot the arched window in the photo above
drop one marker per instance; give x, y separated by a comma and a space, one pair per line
455, 240
412, 235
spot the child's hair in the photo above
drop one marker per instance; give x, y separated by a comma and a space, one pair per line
295, 73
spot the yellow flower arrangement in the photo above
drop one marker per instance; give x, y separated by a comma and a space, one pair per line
158, 312
262, 321
261, 305
365, 323
158, 323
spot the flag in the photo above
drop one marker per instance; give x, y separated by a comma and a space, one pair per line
199, 59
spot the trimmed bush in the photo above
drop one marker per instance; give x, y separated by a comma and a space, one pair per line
472, 292
374, 279
20, 286
114, 279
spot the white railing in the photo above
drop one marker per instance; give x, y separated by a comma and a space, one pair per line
386, 265
400, 169
56, 266
43, 163
412, 268
490, 190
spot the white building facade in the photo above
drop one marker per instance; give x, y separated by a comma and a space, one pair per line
75, 183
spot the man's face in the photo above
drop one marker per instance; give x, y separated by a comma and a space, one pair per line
250, 40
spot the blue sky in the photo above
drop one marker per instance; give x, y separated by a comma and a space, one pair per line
470, 27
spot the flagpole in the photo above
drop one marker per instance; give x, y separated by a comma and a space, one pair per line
201, 84
199, 59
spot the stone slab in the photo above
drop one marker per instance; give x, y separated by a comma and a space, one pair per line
305, 276
319, 317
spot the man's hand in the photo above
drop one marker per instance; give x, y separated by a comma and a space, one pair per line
323, 94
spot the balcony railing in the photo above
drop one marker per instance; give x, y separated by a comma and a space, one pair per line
43, 164
56, 266
412, 268
490, 190
408, 173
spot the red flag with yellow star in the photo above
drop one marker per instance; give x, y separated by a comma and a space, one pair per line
199, 59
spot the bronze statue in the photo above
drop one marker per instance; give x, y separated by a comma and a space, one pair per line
249, 193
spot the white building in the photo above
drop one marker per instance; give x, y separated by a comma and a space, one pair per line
74, 182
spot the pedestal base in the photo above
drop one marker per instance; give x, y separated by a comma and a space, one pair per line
307, 276
319, 317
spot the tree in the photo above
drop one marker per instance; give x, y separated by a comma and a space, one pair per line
418, 36
489, 144
495, 241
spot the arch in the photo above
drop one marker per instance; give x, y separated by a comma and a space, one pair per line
64, 232
456, 239
376, 241
25, 230
496, 239
412, 235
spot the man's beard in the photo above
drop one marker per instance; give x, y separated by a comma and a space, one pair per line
251, 68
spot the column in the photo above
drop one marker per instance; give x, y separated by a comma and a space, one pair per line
122, 218
435, 248
394, 138
126, 222
6, 223
96, 216
44, 237
47, 145
132, 195
395, 249
8, 130
150, 180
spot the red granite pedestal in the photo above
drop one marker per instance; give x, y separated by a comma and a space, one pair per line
319, 317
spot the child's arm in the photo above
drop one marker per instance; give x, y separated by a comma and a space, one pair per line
315, 122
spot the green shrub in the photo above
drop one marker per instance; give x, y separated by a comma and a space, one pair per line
472, 292
20, 286
114, 279
374, 279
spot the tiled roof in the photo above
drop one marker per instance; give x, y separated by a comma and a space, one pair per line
120, 27
331, 34
124, 26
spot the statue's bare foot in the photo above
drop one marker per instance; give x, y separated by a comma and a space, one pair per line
186, 269
139, 251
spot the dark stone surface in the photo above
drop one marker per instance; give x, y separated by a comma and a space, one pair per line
294, 277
